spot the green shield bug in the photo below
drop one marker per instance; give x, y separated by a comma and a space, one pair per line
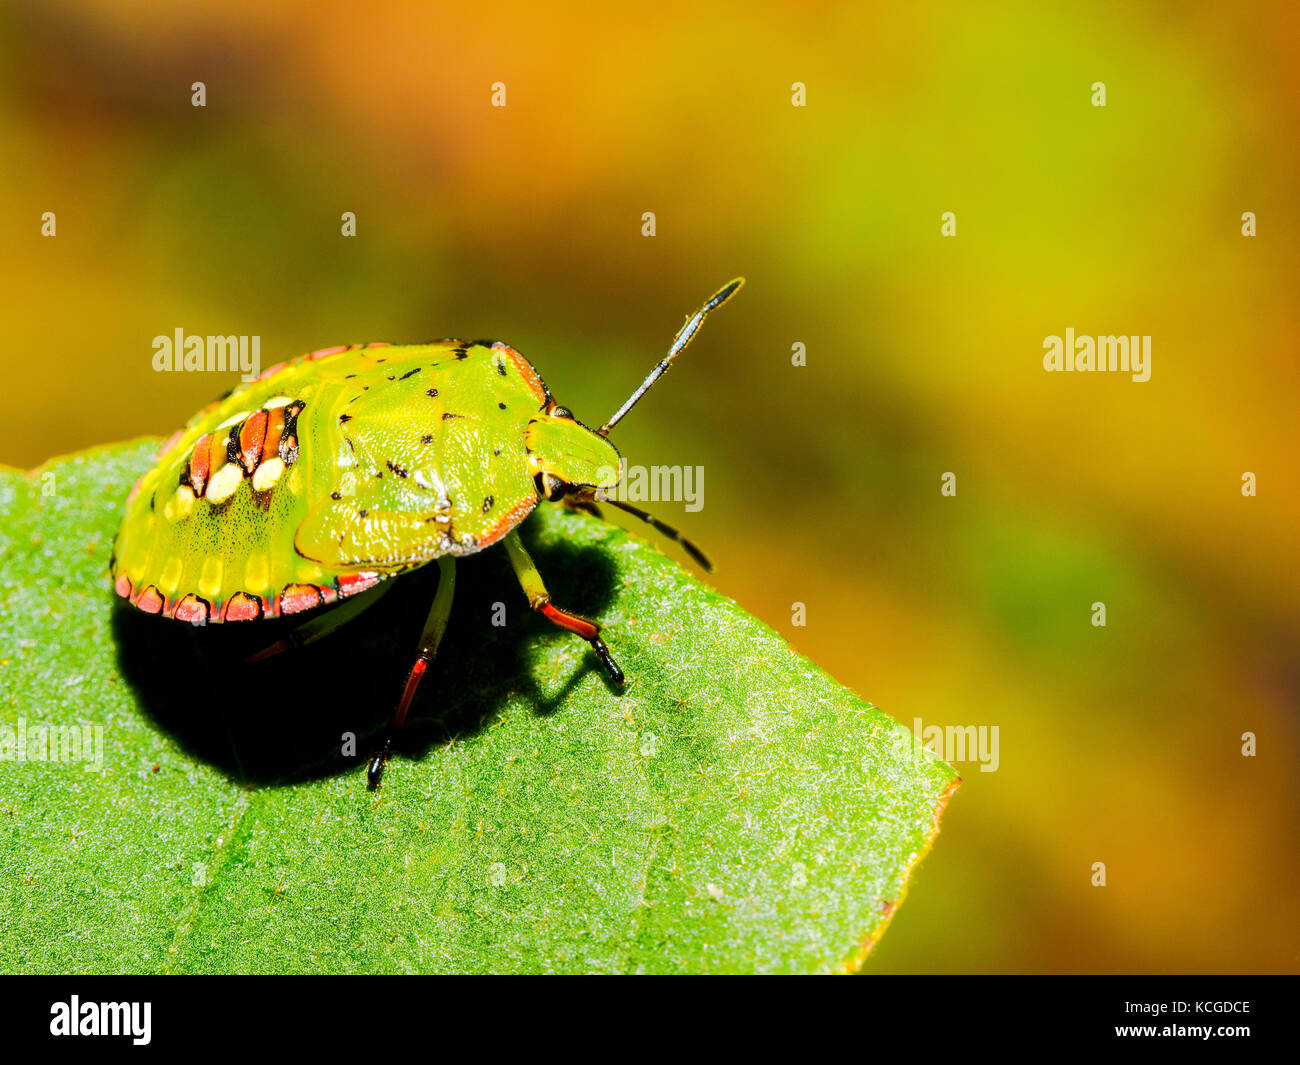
331, 473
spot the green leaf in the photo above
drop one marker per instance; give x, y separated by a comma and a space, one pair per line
733, 810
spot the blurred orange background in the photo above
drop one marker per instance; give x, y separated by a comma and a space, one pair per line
1119, 744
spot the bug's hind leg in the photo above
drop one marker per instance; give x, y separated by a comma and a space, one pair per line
430, 638
320, 627
540, 600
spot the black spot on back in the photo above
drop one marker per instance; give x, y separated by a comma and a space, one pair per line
410, 372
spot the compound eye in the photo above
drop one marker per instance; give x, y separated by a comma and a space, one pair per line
561, 412
551, 487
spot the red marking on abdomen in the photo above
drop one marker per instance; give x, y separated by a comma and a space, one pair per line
299, 597
251, 437
320, 353
150, 600
123, 586
192, 609
242, 607
355, 583
199, 463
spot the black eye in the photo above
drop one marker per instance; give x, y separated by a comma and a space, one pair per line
551, 487
561, 412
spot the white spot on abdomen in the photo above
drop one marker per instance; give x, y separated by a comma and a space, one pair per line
223, 483
265, 476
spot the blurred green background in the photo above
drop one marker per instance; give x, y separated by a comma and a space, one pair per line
1117, 744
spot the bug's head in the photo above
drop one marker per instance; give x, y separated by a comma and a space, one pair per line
568, 458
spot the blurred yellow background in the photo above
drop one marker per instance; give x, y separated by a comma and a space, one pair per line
1119, 744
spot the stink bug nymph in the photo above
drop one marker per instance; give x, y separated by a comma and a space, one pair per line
342, 468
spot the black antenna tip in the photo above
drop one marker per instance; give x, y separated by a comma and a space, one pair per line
724, 293
699, 556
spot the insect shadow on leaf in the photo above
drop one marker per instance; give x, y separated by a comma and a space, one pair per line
283, 719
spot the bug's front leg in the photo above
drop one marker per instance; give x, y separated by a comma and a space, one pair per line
540, 600
430, 638
586, 506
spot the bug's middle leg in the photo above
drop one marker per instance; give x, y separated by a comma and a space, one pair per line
540, 600
323, 625
425, 653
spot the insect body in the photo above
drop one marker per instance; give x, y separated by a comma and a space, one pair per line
329, 474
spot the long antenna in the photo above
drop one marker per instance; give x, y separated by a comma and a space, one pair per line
680, 341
